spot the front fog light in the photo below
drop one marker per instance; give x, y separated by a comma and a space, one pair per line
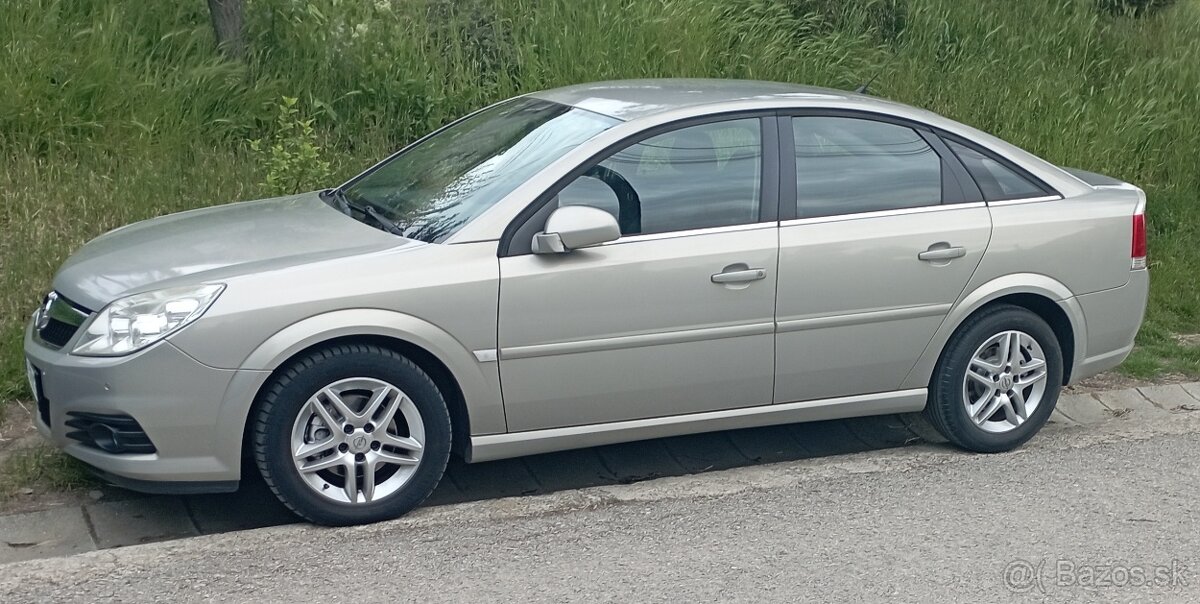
135, 322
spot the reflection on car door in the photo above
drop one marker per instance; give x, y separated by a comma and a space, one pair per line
884, 243
675, 317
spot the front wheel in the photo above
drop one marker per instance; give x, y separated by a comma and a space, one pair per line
352, 434
997, 381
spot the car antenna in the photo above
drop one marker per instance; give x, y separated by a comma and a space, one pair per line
865, 88
866, 85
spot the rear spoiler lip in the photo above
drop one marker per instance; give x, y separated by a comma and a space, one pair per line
1093, 179
1100, 181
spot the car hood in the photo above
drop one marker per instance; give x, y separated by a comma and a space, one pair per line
213, 243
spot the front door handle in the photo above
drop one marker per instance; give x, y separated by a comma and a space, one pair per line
740, 276
941, 253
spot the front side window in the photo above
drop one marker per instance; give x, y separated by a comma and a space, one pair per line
995, 180
850, 165
696, 177
436, 187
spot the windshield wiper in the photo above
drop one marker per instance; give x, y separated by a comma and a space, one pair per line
345, 205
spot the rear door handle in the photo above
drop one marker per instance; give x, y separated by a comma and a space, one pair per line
939, 253
741, 276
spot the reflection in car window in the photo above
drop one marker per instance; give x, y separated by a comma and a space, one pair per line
445, 181
850, 165
995, 181
696, 177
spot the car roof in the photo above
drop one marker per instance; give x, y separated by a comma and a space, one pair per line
633, 99
647, 103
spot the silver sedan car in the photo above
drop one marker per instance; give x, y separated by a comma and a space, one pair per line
588, 265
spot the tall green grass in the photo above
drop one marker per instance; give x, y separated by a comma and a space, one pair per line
118, 110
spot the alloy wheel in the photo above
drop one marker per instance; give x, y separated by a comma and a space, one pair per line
357, 440
1005, 381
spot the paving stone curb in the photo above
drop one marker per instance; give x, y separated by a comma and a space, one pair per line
106, 524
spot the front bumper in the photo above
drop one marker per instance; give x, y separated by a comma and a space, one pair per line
176, 400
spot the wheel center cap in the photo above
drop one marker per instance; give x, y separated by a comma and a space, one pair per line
360, 443
1006, 382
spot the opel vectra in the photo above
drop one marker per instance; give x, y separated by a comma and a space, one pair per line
588, 265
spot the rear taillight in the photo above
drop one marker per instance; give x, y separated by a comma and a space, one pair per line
1138, 253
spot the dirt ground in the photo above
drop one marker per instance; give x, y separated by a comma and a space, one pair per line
26, 465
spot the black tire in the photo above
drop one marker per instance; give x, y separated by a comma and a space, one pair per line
290, 390
945, 408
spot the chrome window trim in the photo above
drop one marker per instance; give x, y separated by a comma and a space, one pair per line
692, 232
1023, 200
884, 213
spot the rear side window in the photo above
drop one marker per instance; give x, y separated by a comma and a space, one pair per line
997, 182
692, 178
850, 165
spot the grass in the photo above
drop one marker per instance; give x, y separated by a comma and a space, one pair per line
41, 469
118, 110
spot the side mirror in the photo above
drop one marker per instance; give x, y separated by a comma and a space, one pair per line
574, 227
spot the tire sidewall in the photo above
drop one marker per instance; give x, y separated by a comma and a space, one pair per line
291, 393
947, 395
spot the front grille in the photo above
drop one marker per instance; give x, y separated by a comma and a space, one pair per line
109, 433
57, 333
58, 319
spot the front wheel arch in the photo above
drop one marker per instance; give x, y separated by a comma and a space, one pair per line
423, 436
443, 378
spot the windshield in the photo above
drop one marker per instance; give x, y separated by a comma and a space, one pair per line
440, 184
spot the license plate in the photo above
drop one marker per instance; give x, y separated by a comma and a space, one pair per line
31, 373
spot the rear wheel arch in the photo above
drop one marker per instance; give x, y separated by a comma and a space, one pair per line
1052, 314
1052, 301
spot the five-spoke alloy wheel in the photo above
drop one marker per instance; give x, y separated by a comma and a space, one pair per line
352, 434
997, 381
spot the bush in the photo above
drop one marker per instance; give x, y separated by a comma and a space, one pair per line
291, 158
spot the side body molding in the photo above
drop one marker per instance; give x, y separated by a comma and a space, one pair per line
974, 299
480, 382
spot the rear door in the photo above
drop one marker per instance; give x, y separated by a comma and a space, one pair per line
882, 232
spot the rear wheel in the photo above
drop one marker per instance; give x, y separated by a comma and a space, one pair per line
998, 380
352, 434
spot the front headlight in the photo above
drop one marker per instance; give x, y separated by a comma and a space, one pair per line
135, 322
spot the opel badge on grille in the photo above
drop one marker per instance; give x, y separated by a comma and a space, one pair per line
43, 317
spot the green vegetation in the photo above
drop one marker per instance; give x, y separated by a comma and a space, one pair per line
42, 468
117, 110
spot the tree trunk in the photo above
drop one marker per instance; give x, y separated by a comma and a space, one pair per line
227, 20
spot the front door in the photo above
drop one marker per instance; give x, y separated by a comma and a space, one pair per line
676, 316
884, 242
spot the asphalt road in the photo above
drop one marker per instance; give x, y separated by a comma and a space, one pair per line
1086, 514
